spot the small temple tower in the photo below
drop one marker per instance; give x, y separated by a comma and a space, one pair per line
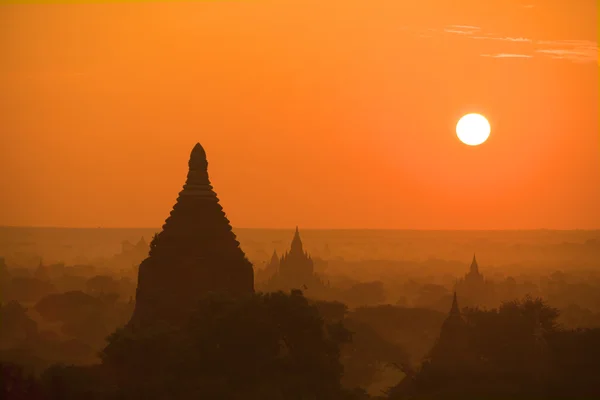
474, 276
296, 270
452, 344
296, 264
473, 287
271, 268
454, 319
195, 253
273, 265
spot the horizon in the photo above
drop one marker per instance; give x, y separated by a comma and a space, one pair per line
312, 229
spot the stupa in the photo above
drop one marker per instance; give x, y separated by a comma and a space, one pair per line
453, 343
195, 253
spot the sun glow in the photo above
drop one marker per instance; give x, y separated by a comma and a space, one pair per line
473, 129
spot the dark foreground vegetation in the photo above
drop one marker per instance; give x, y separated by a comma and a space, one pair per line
284, 346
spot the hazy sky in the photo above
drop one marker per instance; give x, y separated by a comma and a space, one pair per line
323, 114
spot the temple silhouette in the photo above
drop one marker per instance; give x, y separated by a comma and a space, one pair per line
452, 349
294, 270
271, 268
195, 253
474, 277
473, 287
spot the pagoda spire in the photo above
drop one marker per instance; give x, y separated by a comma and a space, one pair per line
454, 310
274, 263
196, 252
474, 267
297, 243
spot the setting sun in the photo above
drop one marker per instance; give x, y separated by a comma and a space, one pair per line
473, 129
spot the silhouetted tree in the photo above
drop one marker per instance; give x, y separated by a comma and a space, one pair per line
25, 289
88, 318
15, 384
259, 346
365, 357
102, 284
516, 351
16, 327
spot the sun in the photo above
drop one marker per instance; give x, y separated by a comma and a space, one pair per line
473, 129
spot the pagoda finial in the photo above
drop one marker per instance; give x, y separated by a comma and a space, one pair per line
198, 158
454, 310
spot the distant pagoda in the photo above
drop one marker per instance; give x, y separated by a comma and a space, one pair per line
195, 253
473, 287
474, 276
451, 347
272, 266
296, 271
263, 275
454, 322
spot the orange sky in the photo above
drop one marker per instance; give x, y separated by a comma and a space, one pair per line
323, 114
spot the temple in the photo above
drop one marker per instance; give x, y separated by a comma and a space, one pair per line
454, 318
473, 288
451, 348
474, 276
271, 268
296, 271
195, 253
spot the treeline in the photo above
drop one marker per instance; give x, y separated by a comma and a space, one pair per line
284, 346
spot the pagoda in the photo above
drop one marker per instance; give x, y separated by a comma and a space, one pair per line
474, 276
473, 287
452, 345
195, 253
454, 322
263, 275
296, 270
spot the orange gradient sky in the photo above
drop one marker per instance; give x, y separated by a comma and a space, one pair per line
322, 114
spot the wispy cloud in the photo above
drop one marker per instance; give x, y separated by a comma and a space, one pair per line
580, 51
475, 32
458, 32
527, 6
462, 29
573, 50
465, 27
506, 38
503, 46
507, 55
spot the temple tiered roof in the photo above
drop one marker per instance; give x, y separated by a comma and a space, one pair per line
296, 262
196, 252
